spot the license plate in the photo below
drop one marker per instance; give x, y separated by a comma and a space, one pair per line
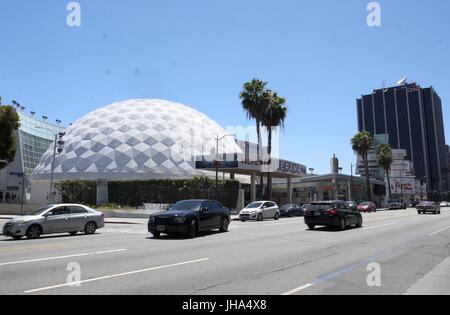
161, 228
317, 213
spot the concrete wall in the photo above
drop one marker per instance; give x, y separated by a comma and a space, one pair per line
7, 209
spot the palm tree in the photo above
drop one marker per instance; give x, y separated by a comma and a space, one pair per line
254, 105
385, 159
362, 143
274, 117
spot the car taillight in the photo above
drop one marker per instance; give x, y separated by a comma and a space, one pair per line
331, 212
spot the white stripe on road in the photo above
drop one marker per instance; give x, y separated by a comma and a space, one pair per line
379, 226
61, 257
306, 286
71, 284
440, 231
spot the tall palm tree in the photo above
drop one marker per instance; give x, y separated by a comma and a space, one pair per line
255, 106
362, 143
274, 117
385, 159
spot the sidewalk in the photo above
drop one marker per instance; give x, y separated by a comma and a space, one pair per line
436, 282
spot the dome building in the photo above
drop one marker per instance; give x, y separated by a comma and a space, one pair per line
133, 140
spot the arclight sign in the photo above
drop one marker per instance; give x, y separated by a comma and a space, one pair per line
403, 185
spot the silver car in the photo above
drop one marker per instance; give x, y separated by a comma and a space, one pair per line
62, 218
259, 211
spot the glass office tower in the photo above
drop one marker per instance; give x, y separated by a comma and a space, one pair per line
412, 117
33, 139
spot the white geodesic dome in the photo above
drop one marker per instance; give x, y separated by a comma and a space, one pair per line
136, 139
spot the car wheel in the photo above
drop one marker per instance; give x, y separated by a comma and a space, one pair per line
192, 229
17, 238
90, 228
290, 214
73, 233
260, 217
156, 235
419, 212
359, 223
277, 216
343, 225
311, 226
34, 232
243, 220
224, 223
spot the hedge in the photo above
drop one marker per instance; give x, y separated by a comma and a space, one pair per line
136, 193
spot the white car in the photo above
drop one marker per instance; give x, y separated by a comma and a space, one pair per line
260, 210
445, 204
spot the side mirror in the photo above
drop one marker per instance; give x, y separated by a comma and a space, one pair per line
204, 209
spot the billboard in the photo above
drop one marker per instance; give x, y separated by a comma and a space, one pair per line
405, 186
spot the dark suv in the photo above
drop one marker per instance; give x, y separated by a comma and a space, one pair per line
332, 214
190, 217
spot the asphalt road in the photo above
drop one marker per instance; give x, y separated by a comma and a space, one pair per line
271, 257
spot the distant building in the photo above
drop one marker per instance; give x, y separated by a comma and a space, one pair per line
33, 139
412, 117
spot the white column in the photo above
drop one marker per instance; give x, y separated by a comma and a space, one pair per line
253, 188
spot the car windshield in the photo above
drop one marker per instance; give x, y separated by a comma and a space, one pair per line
40, 211
286, 207
254, 205
426, 203
364, 204
188, 205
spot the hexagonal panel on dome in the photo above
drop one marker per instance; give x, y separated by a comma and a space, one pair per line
135, 139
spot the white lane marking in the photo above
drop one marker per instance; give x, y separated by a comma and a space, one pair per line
285, 223
61, 257
379, 226
306, 286
70, 284
440, 231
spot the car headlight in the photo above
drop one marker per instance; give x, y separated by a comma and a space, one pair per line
22, 222
179, 219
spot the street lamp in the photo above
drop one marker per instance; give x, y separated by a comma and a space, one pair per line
216, 163
58, 148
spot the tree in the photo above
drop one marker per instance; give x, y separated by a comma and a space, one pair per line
274, 117
254, 105
9, 123
385, 159
362, 143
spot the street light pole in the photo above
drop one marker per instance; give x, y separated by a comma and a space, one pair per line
51, 198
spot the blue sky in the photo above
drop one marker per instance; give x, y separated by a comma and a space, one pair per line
320, 55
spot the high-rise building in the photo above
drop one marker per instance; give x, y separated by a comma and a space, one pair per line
33, 139
412, 117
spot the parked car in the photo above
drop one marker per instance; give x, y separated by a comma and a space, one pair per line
291, 210
62, 218
259, 211
367, 207
352, 205
397, 205
444, 204
332, 214
428, 206
189, 217
414, 204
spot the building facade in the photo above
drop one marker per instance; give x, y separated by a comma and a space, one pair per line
412, 117
33, 138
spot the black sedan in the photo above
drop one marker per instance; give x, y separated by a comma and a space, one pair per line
332, 214
428, 207
190, 217
397, 205
291, 210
